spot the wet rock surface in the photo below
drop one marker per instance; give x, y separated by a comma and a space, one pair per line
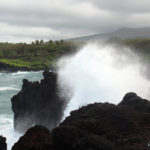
102, 126
38, 103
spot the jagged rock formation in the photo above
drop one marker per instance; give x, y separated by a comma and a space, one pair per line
3, 145
103, 126
38, 103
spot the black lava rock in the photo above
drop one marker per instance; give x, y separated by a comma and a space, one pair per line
38, 103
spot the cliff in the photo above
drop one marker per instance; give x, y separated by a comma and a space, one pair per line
38, 103
98, 126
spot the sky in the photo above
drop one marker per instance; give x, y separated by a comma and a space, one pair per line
30, 20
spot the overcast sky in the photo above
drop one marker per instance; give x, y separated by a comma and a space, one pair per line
28, 20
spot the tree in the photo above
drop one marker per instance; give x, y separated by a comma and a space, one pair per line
37, 42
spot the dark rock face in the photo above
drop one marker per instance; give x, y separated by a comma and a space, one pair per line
3, 145
104, 126
36, 138
38, 104
64, 137
136, 103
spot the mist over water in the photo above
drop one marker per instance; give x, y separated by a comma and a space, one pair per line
102, 74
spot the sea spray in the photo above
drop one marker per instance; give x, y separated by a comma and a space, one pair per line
101, 74
94, 74
8, 132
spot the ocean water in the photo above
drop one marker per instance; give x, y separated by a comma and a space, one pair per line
10, 84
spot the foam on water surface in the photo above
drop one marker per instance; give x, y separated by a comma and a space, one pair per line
10, 84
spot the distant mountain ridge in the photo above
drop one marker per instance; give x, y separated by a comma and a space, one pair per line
123, 33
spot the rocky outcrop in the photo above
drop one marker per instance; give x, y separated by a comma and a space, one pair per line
36, 138
38, 103
103, 126
3, 145
136, 103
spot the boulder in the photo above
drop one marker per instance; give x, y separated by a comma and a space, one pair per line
135, 102
36, 138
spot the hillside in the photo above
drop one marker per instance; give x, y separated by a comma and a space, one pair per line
123, 33
41, 55
35, 56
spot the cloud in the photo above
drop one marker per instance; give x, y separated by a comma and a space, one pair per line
57, 19
128, 6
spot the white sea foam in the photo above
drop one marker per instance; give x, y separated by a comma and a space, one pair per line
20, 72
6, 129
11, 136
9, 88
10, 83
25, 72
101, 74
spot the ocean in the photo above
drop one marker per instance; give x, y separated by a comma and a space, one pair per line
10, 85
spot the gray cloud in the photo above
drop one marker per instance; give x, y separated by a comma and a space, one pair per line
127, 6
28, 20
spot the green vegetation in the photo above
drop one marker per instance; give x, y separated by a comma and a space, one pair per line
141, 47
42, 55
37, 55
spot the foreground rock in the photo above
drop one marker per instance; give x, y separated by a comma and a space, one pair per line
37, 138
3, 145
101, 126
38, 103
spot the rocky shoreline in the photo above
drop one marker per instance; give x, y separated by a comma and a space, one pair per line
9, 69
98, 126
38, 103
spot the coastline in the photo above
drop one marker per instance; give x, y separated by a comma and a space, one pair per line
6, 68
